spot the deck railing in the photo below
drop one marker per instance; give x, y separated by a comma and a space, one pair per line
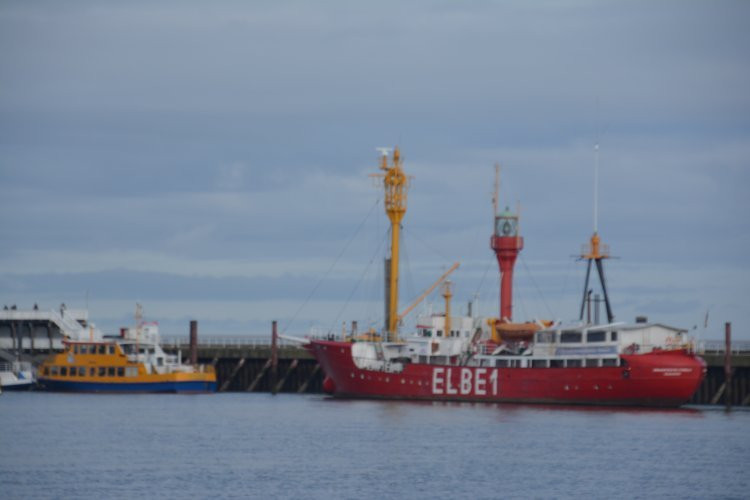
240, 342
16, 366
701, 347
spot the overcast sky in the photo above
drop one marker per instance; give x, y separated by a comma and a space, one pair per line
211, 159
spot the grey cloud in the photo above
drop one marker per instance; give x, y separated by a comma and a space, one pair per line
198, 132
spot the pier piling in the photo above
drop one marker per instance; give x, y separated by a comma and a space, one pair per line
193, 342
291, 368
254, 383
728, 364
274, 358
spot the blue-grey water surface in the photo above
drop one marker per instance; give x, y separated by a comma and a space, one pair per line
295, 446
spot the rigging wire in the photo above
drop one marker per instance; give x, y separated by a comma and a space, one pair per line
480, 287
356, 286
523, 302
320, 281
407, 264
539, 291
481, 282
567, 276
431, 247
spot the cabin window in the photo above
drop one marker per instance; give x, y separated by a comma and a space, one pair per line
120, 371
92, 371
439, 333
592, 363
46, 370
131, 371
102, 349
64, 371
501, 363
614, 335
570, 337
81, 371
573, 363
55, 370
75, 349
426, 332
110, 349
609, 362
539, 363
545, 337
110, 371
596, 336
102, 371
556, 363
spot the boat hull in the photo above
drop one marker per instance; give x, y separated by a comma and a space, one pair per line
186, 386
662, 379
24, 385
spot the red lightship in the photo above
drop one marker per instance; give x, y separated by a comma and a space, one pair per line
467, 358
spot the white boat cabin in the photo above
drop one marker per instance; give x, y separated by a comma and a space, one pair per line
561, 346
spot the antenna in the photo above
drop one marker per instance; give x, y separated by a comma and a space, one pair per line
518, 222
596, 187
497, 189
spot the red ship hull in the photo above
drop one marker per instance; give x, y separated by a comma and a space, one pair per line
660, 378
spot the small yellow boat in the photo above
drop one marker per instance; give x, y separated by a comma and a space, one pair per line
132, 362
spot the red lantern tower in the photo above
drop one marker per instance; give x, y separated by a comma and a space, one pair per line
506, 242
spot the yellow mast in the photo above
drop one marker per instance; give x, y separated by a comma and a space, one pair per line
447, 294
396, 184
427, 292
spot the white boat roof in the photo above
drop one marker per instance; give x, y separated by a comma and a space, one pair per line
611, 326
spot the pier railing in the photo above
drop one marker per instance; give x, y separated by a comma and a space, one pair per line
718, 346
701, 347
238, 341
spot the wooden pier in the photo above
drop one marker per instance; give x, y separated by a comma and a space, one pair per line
247, 367
245, 364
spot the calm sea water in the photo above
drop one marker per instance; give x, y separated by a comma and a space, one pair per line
290, 446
